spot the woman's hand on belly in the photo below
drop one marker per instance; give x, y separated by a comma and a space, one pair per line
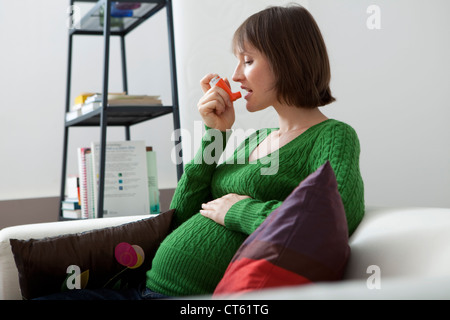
218, 208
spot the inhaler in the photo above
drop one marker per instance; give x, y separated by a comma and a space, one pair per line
218, 81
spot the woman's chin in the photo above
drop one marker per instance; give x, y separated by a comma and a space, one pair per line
250, 109
253, 108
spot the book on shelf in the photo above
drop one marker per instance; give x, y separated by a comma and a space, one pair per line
123, 99
93, 101
134, 100
71, 115
97, 97
83, 174
71, 214
90, 180
130, 182
90, 106
68, 204
80, 99
71, 205
152, 174
72, 188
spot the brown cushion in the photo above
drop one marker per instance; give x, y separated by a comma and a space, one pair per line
43, 263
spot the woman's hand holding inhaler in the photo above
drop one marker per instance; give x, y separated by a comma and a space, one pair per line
216, 105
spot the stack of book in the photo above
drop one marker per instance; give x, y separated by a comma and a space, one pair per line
75, 109
88, 102
130, 182
71, 206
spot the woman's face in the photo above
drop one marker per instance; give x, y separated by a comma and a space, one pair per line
255, 74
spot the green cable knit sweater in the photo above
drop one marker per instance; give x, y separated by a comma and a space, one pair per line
193, 258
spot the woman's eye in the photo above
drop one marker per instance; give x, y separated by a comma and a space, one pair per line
248, 62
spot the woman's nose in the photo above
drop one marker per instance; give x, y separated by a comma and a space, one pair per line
238, 75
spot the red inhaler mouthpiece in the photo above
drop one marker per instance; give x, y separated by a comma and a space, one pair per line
218, 81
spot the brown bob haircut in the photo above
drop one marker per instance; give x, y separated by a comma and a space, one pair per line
291, 40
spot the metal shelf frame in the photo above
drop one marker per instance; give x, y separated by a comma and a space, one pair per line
117, 116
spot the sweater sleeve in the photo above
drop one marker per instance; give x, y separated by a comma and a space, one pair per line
340, 145
194, 187
256, 212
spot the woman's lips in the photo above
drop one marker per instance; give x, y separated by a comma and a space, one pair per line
249, 92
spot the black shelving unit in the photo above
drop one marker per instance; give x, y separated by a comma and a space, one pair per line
96, 22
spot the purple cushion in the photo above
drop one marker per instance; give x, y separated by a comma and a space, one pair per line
305, 240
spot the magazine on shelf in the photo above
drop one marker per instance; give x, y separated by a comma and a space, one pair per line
126, 178
130, 183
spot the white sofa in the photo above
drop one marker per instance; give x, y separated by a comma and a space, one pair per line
409, 249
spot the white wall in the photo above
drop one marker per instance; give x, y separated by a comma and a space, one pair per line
391, 85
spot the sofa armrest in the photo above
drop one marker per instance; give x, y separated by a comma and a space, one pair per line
406, 242
9, 280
